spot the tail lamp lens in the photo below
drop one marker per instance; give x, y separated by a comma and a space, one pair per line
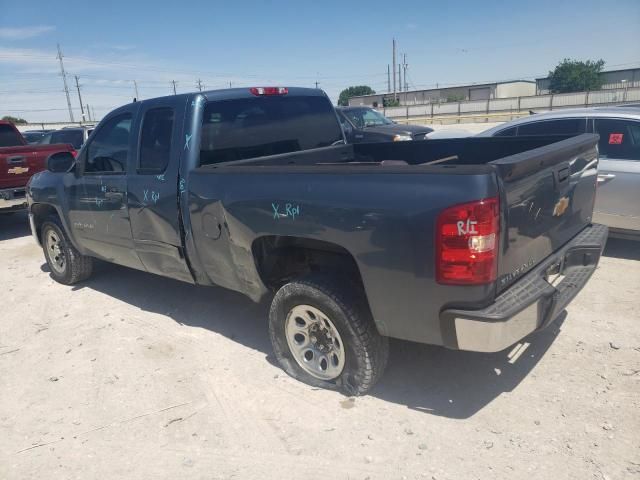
467, 243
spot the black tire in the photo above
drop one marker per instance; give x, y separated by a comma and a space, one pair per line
77, 267
366, 351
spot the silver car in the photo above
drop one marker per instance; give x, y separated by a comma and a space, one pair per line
618, 199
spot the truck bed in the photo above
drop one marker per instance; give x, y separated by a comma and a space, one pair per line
380, 202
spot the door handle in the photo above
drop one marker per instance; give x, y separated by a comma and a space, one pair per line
603, 177
15, 160
113, 195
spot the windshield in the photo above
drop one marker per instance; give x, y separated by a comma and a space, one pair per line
366, 117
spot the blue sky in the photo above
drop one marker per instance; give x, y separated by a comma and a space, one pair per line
110, 44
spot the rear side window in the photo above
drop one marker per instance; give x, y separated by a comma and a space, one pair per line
507, 132
269, 125
74, 137
155, 142
619, 139
565, 126
9, 137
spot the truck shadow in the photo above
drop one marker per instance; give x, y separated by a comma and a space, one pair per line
621, 248
425, 378
457, 384
14, 225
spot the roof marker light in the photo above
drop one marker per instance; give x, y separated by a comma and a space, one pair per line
269, 90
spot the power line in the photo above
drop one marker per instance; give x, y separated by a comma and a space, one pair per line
64, 80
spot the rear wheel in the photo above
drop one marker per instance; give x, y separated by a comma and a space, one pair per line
323, 334
67, 265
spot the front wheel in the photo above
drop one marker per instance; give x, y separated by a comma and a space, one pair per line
323, 334
67, 265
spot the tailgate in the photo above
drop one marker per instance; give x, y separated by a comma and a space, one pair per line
547, 197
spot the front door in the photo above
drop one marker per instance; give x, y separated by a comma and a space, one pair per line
98, 212
618, 197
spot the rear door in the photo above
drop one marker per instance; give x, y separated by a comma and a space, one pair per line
618, 198
153, 188
547, 196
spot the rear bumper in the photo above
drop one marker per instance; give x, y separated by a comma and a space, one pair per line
13, 199
532, 303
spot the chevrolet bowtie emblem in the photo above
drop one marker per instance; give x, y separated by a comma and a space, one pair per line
561, 206
18, 170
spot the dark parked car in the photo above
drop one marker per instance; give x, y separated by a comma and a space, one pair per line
34, 136
75, 136
469, 243
364, 124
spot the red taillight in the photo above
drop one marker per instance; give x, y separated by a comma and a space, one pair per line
269, 90
467, 243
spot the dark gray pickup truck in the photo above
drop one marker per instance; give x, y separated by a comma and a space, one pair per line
468, 243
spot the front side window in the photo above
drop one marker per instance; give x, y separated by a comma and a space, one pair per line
155, 141
619, 139
564, 126
108, 151
9, 137
266, 125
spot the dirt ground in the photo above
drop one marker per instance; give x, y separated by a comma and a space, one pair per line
136, 376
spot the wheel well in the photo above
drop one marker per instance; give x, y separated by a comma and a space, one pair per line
281, 258
41, 211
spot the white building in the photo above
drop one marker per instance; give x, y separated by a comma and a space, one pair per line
484, 91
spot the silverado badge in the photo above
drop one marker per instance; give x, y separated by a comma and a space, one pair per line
561, 206
18, 170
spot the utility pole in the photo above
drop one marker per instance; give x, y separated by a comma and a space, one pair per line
316, 84
400, 79
79, 96
88, 112
388, 79
93, 114
405, 65
64, 80
230, 85
199, 85
135, 86
174, 86
394, 70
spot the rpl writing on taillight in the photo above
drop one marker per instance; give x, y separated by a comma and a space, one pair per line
467, 243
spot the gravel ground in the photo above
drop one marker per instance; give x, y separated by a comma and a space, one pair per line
135, 376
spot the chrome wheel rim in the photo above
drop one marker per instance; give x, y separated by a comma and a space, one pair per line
54, 251
314, 342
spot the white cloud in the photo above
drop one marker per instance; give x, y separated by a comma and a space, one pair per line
20, 33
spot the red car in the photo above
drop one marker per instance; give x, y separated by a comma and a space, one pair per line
19, 161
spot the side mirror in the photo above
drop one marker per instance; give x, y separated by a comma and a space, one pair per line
61, 162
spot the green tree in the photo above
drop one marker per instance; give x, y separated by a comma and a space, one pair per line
576, 76
390, 102
14, 120
356, 91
